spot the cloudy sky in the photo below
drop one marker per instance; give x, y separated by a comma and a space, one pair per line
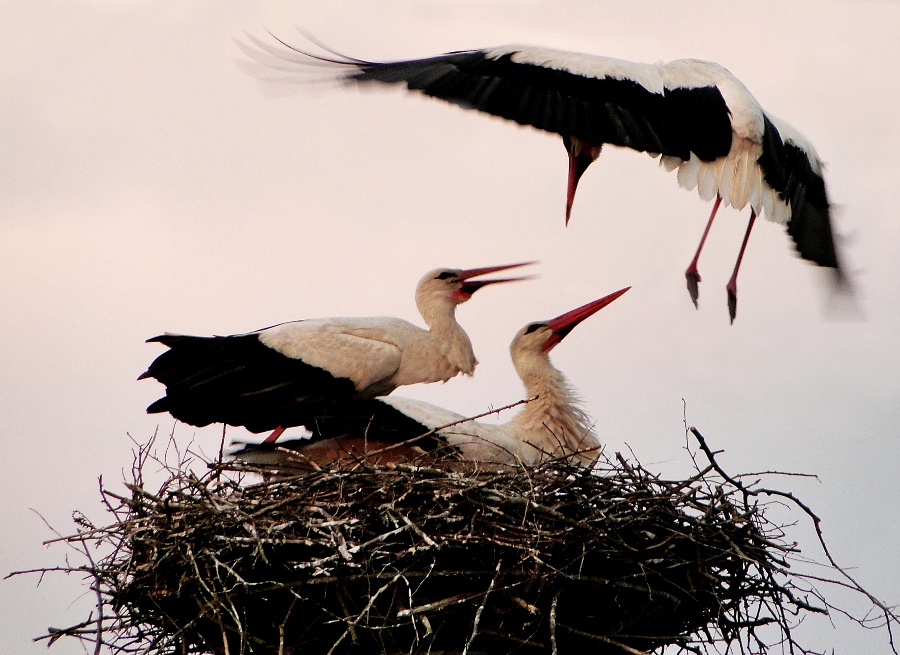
149, 184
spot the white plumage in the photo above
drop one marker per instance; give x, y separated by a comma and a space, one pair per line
550, 425
266, 380
695, 114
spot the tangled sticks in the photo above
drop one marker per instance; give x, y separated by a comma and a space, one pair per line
439, 559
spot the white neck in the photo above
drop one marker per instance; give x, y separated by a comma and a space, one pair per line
553, 423
448, 337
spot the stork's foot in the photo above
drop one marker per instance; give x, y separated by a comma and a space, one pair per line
731, 288
693, 280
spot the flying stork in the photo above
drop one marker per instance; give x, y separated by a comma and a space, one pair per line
551, 425
263, 380
698, 116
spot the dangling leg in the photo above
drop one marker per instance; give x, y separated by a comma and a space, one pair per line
277, 432
731, 287
693, 277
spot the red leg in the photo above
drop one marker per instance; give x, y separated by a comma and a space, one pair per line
693, 277
731, 287
277, 432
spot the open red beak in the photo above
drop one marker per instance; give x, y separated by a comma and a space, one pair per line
565, 323
470, 286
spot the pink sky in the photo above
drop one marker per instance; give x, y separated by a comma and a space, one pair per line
149, 185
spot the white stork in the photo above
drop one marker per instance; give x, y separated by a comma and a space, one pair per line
696, 114
551, 424
263, 380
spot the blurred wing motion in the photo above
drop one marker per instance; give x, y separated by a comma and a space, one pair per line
696, 114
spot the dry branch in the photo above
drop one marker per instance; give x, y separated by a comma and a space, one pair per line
444, 559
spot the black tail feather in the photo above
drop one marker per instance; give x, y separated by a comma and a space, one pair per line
237, 380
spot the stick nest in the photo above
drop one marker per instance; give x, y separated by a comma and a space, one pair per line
405, 559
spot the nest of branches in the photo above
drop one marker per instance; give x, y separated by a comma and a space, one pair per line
404, 559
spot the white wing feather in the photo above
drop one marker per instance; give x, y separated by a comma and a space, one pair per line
476, 441
365, 350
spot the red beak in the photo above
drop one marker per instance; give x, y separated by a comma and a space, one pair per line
565, 323
471, 286
581, 155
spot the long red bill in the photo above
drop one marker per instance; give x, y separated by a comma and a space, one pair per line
565, 323
581, 155
471, 286
475, 272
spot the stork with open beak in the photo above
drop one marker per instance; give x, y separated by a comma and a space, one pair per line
551, 425
698, 116
265, 380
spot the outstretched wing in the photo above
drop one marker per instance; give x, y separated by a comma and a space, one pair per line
599, 100
791, 166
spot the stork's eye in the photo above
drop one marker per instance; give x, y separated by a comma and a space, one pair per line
534, 326
446, 275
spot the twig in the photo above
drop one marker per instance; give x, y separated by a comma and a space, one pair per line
437, 430
889, 615
481, 608
553, 603
206, 557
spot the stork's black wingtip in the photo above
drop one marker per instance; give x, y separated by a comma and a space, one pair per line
843, 300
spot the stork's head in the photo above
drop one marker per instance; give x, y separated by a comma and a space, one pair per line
538, 339
454, 286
